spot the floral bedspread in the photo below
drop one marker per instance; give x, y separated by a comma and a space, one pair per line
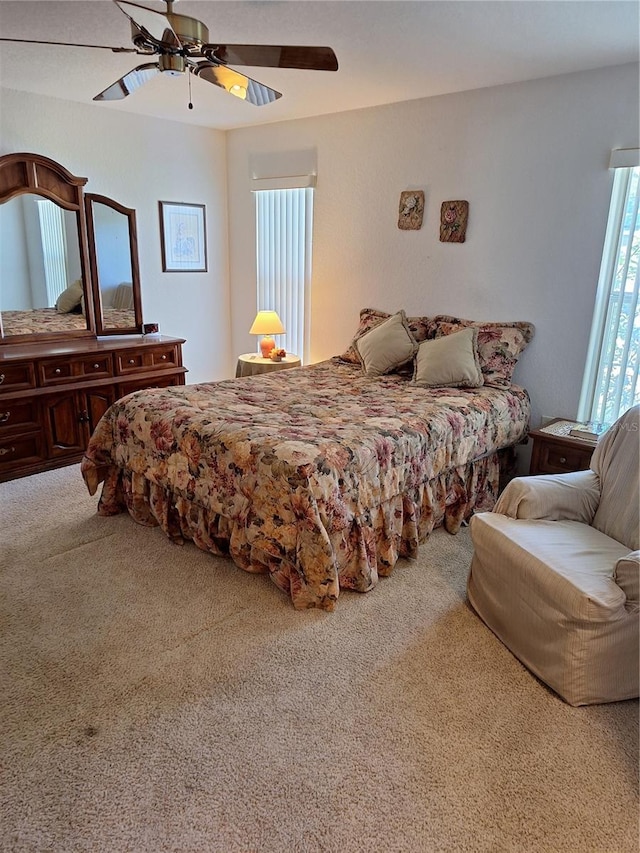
321, 475
50, 320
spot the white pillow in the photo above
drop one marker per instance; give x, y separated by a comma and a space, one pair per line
70, 298
386, 346
450, 361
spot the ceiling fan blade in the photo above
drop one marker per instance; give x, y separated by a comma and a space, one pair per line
153, 25
74, 44
236, 84
272, 56
130, 82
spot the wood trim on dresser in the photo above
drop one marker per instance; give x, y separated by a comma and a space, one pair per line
53, 394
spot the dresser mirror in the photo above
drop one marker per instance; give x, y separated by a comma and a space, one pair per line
69, 269
113, 259
40, 250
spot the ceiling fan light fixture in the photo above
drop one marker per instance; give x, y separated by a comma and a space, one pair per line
238, 91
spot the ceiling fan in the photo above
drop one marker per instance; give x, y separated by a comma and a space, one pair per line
182, 45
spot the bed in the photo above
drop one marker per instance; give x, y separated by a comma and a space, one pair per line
321, 476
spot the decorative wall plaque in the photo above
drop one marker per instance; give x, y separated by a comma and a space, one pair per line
453, 221
410, 210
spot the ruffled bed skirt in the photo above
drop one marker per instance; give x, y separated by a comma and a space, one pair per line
312, 561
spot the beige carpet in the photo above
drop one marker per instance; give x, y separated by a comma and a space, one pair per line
156, 698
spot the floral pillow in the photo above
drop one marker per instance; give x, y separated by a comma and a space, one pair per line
422, 329
499, 345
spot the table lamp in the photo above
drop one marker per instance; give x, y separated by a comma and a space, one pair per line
267, 323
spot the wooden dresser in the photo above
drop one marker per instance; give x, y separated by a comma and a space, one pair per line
53, 394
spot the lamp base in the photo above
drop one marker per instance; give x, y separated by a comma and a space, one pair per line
266, 345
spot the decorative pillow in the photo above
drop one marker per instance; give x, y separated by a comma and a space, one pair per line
627, 575
422, 328
499, 345
386, 346
450, 361
369, 319
70, 298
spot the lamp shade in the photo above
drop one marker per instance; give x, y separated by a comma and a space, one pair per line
267, 323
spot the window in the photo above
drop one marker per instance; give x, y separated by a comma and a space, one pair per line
284, 225
54, 248
611, 385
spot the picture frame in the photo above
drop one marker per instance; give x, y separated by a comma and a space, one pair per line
411, 210
183, 237
453, 221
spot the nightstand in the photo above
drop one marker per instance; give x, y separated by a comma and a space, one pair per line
559, 454
251, 364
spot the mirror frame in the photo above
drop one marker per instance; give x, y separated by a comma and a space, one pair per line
23, 173
89, 200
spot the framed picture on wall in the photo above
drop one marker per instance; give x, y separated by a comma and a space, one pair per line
183, 237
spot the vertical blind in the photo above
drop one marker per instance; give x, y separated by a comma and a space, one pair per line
54, 248
284, 227
611, 383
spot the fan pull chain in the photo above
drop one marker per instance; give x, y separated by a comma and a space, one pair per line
189, 76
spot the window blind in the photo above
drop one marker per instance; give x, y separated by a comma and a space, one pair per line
610, 385
284, 227
54, 248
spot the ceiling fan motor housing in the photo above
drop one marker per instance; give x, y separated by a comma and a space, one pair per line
190, 32
170, 63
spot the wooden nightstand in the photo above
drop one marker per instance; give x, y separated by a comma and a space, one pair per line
559, 454
250, 364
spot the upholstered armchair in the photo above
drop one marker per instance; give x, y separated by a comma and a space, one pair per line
556, 568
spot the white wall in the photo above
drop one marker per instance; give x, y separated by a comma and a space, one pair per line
15, 284
138, 161
531, 159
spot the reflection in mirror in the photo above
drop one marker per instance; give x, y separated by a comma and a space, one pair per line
114, 265
40, 273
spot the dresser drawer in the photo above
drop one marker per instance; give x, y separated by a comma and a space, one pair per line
147, 358
165, 357
97, 367
132, 361
17, 415
17, 377
21, 450
55, 371
552, 458
556, 458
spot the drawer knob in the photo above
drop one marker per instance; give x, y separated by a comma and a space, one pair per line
563, 459
4, 417
1, 378
164, 358
57, 370
96, 366
5, 450
132, 361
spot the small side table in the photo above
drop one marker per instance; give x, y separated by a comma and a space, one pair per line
559, 454
250, 364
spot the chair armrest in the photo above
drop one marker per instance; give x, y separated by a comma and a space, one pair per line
627, 576
573, 497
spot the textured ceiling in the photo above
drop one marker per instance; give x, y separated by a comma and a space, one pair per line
387, 51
